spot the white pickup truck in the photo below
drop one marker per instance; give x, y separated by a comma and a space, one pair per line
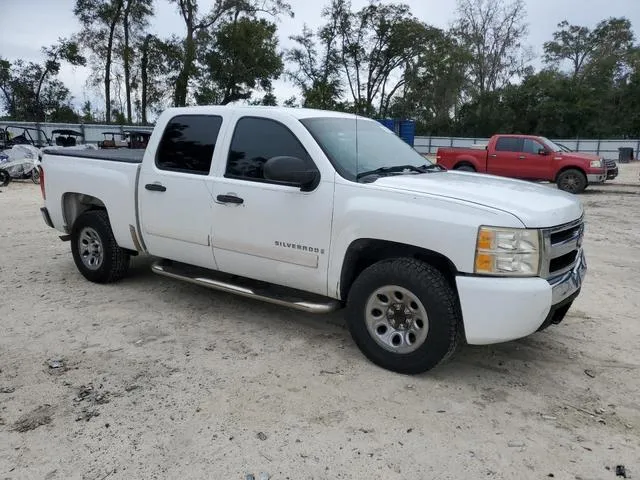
317, 210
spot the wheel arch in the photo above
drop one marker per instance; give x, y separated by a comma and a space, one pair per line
465, 163
364, 252
75, 204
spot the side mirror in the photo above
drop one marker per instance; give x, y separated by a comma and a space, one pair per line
542, 151
291, 171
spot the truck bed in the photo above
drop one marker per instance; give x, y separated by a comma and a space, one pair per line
125, 155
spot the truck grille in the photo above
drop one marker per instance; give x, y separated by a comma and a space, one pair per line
562, 245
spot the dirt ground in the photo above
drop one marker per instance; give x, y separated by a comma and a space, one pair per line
152, 378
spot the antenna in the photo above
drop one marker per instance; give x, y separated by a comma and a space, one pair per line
357, 171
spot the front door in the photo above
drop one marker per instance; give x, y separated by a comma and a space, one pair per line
174, 199
267, 231
534, 165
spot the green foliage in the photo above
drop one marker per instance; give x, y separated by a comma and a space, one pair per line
242, 57
30, 90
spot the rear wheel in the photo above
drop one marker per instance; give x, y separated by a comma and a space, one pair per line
5, 178
572, 181
95, 250
465, 167
403, 315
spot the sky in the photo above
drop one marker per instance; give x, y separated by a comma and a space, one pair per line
27, 25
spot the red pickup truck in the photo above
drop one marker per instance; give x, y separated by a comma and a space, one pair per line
529, 158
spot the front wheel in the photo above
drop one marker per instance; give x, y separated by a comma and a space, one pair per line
95, 250
572, 181
465, 168
403, 315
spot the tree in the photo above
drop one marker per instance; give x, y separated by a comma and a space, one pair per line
134, 18
242, 57
63, 50
160, 62
99, 19
493, 31
195, 24
317, 72
31, 91
290, 102
434, 84
376, 43
606, 45
31, 95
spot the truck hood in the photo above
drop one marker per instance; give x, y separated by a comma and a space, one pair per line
577, 156
537, 206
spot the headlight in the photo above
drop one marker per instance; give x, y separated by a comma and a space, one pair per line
596, 163
508, 252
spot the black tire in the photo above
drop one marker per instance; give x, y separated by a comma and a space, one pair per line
35, 176
114, 261
5, 178
572, 181
465, 167
436, 295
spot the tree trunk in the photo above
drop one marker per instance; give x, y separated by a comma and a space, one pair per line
127, 60
144, 65
107, 66
182, 82
39, 113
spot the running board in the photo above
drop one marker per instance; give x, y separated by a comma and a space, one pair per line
287, 297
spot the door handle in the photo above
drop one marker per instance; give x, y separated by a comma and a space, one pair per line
155, 187
230, 199
493, 155
522, 157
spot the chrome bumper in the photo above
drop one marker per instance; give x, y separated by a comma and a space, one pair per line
597, 177
568, 283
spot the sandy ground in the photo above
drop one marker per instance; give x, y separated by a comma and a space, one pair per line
161, 379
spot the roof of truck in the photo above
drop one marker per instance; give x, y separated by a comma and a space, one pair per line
299, 113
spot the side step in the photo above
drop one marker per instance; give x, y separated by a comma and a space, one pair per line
288, 297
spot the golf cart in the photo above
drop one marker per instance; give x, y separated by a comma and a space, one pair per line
110, 140
66, 138
137, 139
19, 135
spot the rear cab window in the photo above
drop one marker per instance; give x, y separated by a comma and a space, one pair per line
188, 143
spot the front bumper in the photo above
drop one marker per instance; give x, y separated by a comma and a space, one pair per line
612, 173
596, 177
496, 310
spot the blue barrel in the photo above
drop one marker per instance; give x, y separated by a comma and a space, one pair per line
389, 123
407, 131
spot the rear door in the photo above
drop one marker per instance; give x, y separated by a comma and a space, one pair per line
174, 200
504, 159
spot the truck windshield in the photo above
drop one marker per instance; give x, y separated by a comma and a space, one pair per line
362, 145
550, 145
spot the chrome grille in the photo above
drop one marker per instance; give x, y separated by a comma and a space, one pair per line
561, 248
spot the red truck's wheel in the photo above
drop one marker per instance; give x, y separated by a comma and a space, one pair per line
572, 181
403, 315
465, 167
95, 250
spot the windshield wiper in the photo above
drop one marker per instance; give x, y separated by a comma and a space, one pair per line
393, 169
401, 168
434, 166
